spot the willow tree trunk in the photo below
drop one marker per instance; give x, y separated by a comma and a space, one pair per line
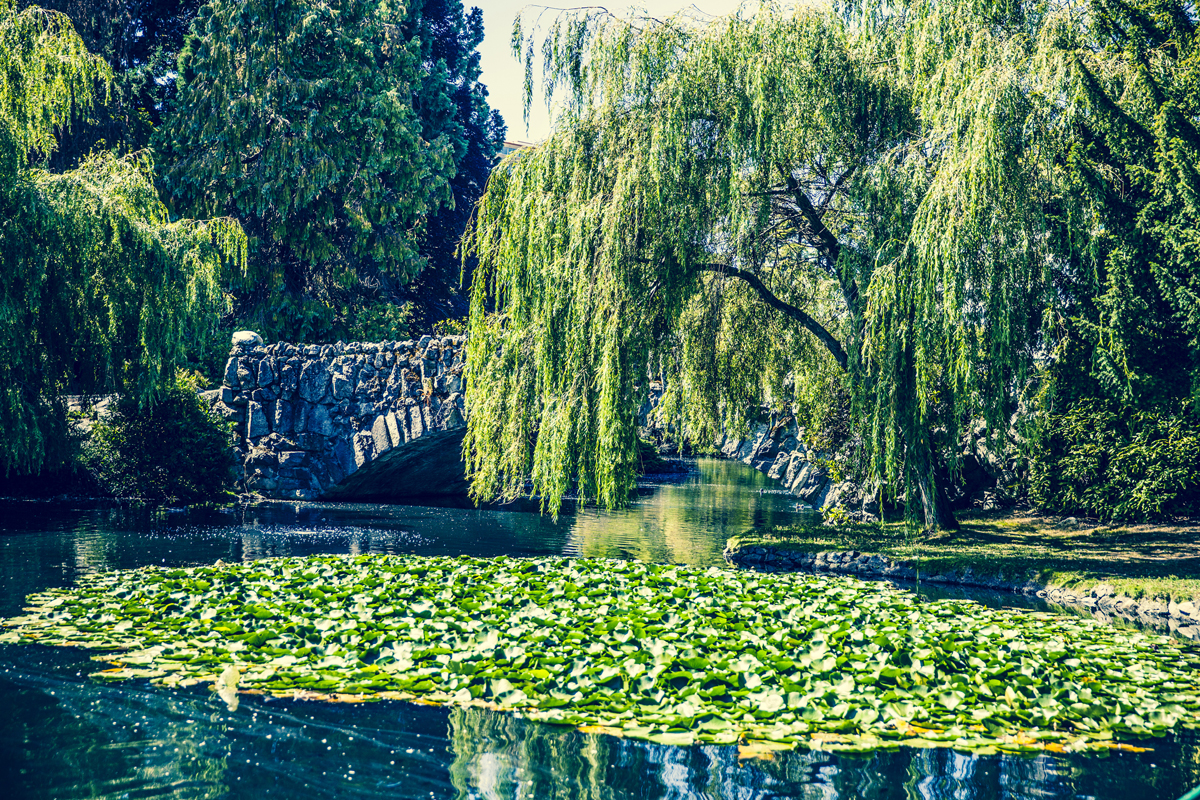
935, 502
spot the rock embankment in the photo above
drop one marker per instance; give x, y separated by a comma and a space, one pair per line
1102, 599
774, 444
775, 447
307, 417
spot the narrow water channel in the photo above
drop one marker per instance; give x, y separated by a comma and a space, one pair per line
63, 735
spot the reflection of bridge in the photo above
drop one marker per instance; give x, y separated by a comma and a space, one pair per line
341, 421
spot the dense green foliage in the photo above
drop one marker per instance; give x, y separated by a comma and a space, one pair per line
1117, 463
1126, 352
1137, 157
140, 41
175, 449
296, 119
899, 217
100, 289
333, 131
666, 653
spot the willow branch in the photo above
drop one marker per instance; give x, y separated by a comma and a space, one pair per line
825, 238
827, 242
798, 314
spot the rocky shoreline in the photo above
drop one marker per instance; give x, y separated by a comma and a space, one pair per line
1101, 600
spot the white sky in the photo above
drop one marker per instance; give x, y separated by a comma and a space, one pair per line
504, 76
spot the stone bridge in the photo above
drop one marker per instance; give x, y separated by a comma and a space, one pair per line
379, 421
346, 421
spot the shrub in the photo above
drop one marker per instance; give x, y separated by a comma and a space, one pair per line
452, 326
1116, 463
175, 449
381, 321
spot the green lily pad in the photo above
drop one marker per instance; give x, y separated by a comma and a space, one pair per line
668, 654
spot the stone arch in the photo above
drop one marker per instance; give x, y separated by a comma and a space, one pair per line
341, 421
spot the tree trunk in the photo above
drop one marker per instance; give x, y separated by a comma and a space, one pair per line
934, 501
935, 504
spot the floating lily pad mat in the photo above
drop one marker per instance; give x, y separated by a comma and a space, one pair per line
665, 653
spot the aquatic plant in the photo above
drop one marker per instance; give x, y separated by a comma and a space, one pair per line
664, 653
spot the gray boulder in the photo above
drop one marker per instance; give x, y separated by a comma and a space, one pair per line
246, 340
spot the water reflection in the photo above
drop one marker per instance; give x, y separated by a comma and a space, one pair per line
43, 546
65, 736
79, 739
498, 757
48, 544
686, 522
62, 737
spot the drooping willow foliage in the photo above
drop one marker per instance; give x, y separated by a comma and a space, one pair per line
868, 199
99, 289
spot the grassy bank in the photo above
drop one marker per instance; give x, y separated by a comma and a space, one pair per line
1138, 561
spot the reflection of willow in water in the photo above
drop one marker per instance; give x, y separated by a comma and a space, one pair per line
686, 523
500, 757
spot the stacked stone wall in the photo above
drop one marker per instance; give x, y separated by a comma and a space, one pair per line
309, 417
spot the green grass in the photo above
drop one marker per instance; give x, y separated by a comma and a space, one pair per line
1138, 561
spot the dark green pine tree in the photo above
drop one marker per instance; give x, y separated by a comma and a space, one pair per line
300, 119
451, 39
1119, 404
1137, 312
334, 132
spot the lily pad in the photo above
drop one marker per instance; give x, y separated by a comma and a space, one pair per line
664, 653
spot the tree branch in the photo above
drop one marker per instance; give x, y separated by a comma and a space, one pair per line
828, 242
826, 239
810, 324
833, 189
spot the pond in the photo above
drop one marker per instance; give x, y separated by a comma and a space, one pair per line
64, 735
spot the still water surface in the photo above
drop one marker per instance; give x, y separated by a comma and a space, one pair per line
63, 735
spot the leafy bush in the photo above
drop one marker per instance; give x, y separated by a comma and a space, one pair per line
1116, 463
450, 327
175, 449
381, 322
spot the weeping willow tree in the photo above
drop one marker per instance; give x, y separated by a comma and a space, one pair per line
776, 208
99, 289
